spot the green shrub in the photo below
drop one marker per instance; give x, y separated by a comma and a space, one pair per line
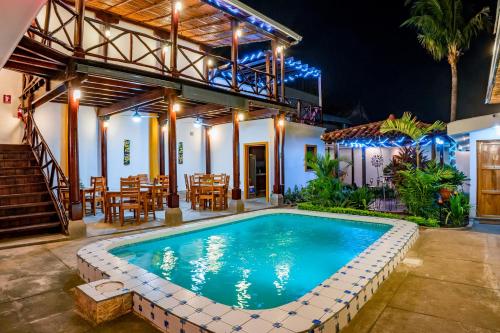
294, 196
457, 209
428, 222
361, 198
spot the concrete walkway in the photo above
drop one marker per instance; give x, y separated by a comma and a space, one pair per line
449, 283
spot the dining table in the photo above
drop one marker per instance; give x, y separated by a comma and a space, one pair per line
197, 188
112, 203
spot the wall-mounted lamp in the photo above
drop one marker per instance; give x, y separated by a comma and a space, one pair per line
107, 32
239, 32
210, 62
178, 6
77, 94
241, 116
281, 123
176, 107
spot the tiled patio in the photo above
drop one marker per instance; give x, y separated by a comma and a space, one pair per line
450, 282
97, 227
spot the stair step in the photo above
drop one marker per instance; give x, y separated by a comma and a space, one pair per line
22, 198
27, 219
26, 208
28, 229
13, 147
28, 170
16, 155
21, 179
17, 163
22, 188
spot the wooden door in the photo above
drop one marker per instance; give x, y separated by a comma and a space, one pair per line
488, 178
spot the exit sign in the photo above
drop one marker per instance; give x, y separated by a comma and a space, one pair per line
7, 99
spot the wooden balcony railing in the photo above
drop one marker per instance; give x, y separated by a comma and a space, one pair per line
116, 44
52, 172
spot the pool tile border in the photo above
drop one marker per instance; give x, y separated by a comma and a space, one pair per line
328, 307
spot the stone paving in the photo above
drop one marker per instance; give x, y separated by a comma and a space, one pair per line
448, 283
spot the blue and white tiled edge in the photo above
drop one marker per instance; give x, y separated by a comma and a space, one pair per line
327, 308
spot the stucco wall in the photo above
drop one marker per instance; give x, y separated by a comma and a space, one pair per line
11, 128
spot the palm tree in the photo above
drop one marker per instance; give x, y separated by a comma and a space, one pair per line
411, 127
324, 166
443, 31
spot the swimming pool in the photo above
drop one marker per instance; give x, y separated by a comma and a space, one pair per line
258, 263
271, 270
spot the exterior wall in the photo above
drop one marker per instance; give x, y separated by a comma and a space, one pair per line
296, 137
463, 164
485, 134
11, 128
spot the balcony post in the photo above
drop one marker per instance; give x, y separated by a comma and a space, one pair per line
282, 161
103, 138
274, 62
282, 74
236, 202
79, 24
277, 196
75, 200
268, 75
234, 54
174, 31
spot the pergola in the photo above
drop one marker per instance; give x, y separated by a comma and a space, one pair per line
55, 55
369, 135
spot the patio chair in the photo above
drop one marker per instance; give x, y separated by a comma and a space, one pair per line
143, 178
188, 187
98, 194
207, 193
130, 198
164, 190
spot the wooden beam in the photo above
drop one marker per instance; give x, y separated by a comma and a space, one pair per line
173, 197
363, 166
277, 177
79, 24
75, 202
253, 115
282, 155
174, 32
236, 191
103, 138
50, 95
147, 98
234, 54
208, 160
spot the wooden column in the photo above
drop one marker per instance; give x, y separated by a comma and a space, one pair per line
268, 77
208, 160
75, 209
79, 23
336, 156
282, 74
363, 166
320, 93
274, 62
174, 30
433, 151
173, 196
276, 186
234, 54
161, 156
283, 155
103, 137
236, 192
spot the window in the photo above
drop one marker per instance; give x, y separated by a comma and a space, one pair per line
309, 150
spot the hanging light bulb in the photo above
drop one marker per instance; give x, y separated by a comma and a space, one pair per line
197, 123
136, 117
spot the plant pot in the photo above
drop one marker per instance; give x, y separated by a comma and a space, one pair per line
445, 194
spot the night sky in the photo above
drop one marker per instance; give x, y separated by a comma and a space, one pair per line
367, 58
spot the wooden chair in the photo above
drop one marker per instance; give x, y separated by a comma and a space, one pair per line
130, 198
112, 207
207, 193
98, 194
143, 178
188, 187
164, 190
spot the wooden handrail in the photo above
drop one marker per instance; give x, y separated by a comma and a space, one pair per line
51, 170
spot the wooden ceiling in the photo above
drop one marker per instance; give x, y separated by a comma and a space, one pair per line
199, 22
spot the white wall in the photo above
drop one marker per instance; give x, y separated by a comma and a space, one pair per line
88, 142
51, 121
463, 164
485, 134
11, 128
296, 137
121, 128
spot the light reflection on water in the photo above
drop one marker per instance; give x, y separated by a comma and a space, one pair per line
211, 262
168, 262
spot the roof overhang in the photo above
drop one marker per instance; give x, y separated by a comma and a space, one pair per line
468, 125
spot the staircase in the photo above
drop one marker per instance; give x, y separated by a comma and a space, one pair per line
26, 205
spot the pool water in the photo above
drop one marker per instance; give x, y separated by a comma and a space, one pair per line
256, 263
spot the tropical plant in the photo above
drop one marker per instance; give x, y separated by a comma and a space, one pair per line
418, 190
449, 177
361, 198
324, 165
327, 191
411, 127
445, 32
294, 196
458, 209
406, 157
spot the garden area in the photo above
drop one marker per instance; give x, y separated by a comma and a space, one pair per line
431, 191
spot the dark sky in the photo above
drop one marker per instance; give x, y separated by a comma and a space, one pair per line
365, 56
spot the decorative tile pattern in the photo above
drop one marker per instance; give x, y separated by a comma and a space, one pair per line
327, 308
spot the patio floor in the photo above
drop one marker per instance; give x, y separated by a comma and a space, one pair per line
450, 282
97, 227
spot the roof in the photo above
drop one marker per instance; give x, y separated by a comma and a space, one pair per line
365, 131
465, 126
206, 22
